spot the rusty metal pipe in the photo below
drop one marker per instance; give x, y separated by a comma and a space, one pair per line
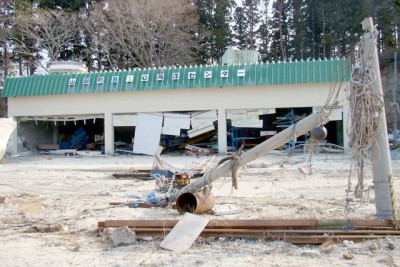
198, 202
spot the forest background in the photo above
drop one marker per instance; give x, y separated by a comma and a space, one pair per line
122, 34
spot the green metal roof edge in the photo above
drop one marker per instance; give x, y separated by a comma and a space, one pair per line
275, 73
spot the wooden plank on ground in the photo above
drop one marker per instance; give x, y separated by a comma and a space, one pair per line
184, 233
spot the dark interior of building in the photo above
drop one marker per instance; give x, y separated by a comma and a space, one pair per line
89, 133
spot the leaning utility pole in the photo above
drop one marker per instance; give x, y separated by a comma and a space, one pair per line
301, 127
381, 165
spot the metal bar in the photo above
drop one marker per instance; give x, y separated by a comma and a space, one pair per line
276, 232
291, 237
223, 224
260, 223
316, 240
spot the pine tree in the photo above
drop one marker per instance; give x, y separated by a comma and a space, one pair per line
6, 7
222, 29
279, 35
216, 35
251, 10
66, 5
240, 28
300, 37
205, 12
263, 31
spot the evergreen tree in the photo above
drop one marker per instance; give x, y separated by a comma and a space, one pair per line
251, 9
263, 31
216, 33
6, 7
388, 20
300, 36
66, 5
333, 27
279, 30
222, 30
240, 28
205, 12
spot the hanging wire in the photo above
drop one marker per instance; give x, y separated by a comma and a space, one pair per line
366, 107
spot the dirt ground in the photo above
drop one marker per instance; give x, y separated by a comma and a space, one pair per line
51, 206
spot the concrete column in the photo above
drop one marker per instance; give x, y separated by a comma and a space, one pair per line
108, 134
222, 135
346, 124
381, 165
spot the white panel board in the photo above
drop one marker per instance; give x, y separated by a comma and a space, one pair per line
185, 233
7, 126
147, 133
245, 118
204, 119
336, 114
266, 111
174, 122
233, 113
175, 131
124, 120
267, 133
181, 121
248, 124
198, 131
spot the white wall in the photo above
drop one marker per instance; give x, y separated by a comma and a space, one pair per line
283, 96
308, 95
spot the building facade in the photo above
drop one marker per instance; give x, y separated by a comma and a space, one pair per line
48, 108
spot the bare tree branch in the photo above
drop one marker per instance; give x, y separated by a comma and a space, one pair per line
149, 32
51, 30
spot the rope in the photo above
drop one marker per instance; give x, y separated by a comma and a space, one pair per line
366, 107
234, 161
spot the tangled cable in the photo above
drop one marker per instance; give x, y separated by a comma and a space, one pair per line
366, 107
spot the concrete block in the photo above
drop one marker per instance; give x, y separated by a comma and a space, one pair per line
122, 236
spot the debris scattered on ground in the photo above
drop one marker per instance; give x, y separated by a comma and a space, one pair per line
195, 150
311, 253
44, 228
67, 190
133, 174
31, 207
374, 246
184, 233
348, 256
225, 209
122, 236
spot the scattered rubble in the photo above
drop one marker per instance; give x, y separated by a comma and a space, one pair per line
122, 236
348, 256
63, 202
44, 228
310, 253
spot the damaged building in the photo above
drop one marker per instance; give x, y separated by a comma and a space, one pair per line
216, 108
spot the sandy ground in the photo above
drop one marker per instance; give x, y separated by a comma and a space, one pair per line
73, 193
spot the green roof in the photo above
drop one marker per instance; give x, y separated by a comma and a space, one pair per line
278, 73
